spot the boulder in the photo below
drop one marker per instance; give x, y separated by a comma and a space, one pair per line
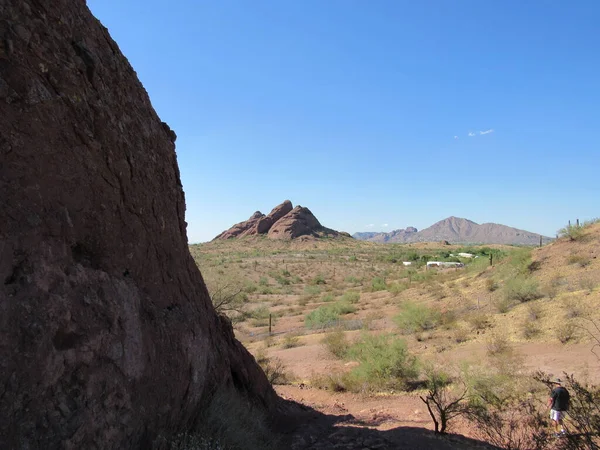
108, 337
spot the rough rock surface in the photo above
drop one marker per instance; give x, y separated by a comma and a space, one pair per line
276, 213
298, 222
107, 333
283, 222
244, 228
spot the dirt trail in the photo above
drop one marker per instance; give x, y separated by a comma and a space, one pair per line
348, 421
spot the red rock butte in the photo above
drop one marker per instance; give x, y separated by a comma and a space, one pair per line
283, 222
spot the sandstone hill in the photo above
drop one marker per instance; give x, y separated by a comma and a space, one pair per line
283, 222
108, 337
457, 230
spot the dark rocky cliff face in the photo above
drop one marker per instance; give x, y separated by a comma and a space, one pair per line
107, 333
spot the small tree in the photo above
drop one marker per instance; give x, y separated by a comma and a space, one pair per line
442, 402
229, 300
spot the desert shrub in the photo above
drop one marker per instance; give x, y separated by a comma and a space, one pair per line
319, 279
521, 289
478, 321
263, 281
344, 307
514, 424
250, 288
497, 344
491, 285
291, 341
336, 382
329, 297
353, 280
519, 260
322, 317
414, 317
503, 304
572, 232
448, 319
273, 368
265, 290
443, 402
336, 343
350, 297
566, 332
580, 260
286, 273
550, 290
260, 316
461, 335
327, 315
312, 290
571, 309
384, 361
282, 280
396, 288
587, 284
437, 291
534, 311
529, 329
378, 284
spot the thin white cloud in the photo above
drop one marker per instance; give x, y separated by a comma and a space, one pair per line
455, 137
471, 134
384, 225
371, 225
487, 131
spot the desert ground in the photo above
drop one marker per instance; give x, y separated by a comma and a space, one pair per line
338, 307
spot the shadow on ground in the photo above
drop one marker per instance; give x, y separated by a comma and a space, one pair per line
304, 428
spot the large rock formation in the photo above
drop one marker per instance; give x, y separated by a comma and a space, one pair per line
107, 333
283, 222
298, 222
258, 223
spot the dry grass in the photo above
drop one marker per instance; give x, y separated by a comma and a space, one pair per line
290, 280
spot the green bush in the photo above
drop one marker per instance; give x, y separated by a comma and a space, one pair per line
329, 297
384, 361
312, 290
319, 279
378, 284
343, 307
350, 297
396, 288
336, 343
572, 232
522, 289
322, 317
327, 315
413, 318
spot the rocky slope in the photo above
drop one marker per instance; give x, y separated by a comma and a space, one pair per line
458, 230
283, 222
107, 334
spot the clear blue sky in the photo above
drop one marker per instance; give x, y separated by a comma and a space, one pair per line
362, 110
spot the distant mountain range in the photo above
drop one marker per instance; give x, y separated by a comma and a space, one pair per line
456, 230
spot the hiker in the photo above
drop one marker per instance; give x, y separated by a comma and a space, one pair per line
558, 404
